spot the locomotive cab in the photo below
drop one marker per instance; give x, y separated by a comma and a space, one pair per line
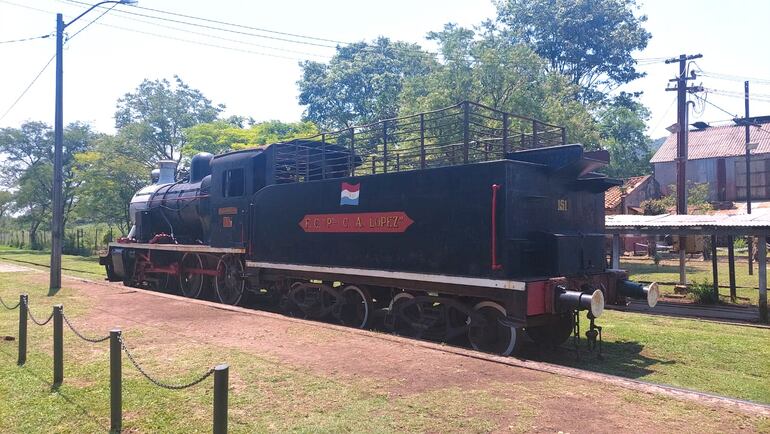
235, 177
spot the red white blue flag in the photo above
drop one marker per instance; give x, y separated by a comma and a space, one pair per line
349, 194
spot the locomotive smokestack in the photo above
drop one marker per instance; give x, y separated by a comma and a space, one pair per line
167, 171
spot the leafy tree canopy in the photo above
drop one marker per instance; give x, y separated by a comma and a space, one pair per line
622, 127
483, 66
222, 136
361, 83
158, 113
589, 41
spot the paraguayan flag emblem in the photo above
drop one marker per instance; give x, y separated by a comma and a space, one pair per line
349, 194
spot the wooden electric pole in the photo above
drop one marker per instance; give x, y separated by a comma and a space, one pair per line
681, 145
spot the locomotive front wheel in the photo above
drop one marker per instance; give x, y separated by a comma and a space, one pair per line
191, 284
490, 336
357, 306
229, 282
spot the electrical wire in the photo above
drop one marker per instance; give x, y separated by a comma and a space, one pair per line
92, 21
296, 35
24, 92
730, 77
26, 39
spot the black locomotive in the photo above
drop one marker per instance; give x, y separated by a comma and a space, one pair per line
463, 222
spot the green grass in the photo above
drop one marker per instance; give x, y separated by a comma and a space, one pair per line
697, 271
74, 265
711, 357
269, 396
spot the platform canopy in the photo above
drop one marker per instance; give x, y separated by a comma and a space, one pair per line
699, 225
674, 224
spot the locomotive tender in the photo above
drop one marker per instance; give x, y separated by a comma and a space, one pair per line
465, 222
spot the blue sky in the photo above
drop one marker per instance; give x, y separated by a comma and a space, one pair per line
112, 56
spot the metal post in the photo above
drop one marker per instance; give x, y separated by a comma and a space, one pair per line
682, 259
563, 136
323, 156
615, 251
58, 346
422, 140
374, 166
398, 162
221, 374
714, 269
681, 138
352, 152
534, 134
116, 374
731, 265
466, 130
57, 223
384, 147
762, 259
23, 305
505, 133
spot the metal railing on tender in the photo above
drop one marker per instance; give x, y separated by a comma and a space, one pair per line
463, 133
117, 348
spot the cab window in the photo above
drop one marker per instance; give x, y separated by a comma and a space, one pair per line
233, 183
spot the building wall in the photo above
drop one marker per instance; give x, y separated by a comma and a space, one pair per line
705, 170
698, 171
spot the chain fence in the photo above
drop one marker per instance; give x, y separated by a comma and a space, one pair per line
81, 335
117, 347
9, 307
156, 382
29, 312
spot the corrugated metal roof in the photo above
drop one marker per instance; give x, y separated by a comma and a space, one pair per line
663, 221
613, 195
716, 142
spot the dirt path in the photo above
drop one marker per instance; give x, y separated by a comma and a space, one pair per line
560, 400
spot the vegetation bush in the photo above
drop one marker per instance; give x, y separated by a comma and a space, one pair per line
703, 292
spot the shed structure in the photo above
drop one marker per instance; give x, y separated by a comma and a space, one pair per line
717, 155
757, 225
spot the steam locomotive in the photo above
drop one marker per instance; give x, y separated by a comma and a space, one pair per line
462, 223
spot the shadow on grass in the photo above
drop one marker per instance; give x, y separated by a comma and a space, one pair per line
53, 388
623, 359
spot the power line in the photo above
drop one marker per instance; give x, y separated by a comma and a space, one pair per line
92, 21
734, 77
221, 29
296, 35
208, 35
26, 39
367, 47
24, 92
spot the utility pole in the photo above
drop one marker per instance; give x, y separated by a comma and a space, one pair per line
57, 223
681, 145
748, 171
57, 218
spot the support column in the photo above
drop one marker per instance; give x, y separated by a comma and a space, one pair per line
762, 272
682, 260
616, 251
731, 265
714, 266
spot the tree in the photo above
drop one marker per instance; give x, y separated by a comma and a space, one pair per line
158, 113
622, 127
589, 41
222, 136
361, 83
28, 168
485, 67
109, 175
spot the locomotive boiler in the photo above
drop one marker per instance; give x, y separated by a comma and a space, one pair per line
466, 223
